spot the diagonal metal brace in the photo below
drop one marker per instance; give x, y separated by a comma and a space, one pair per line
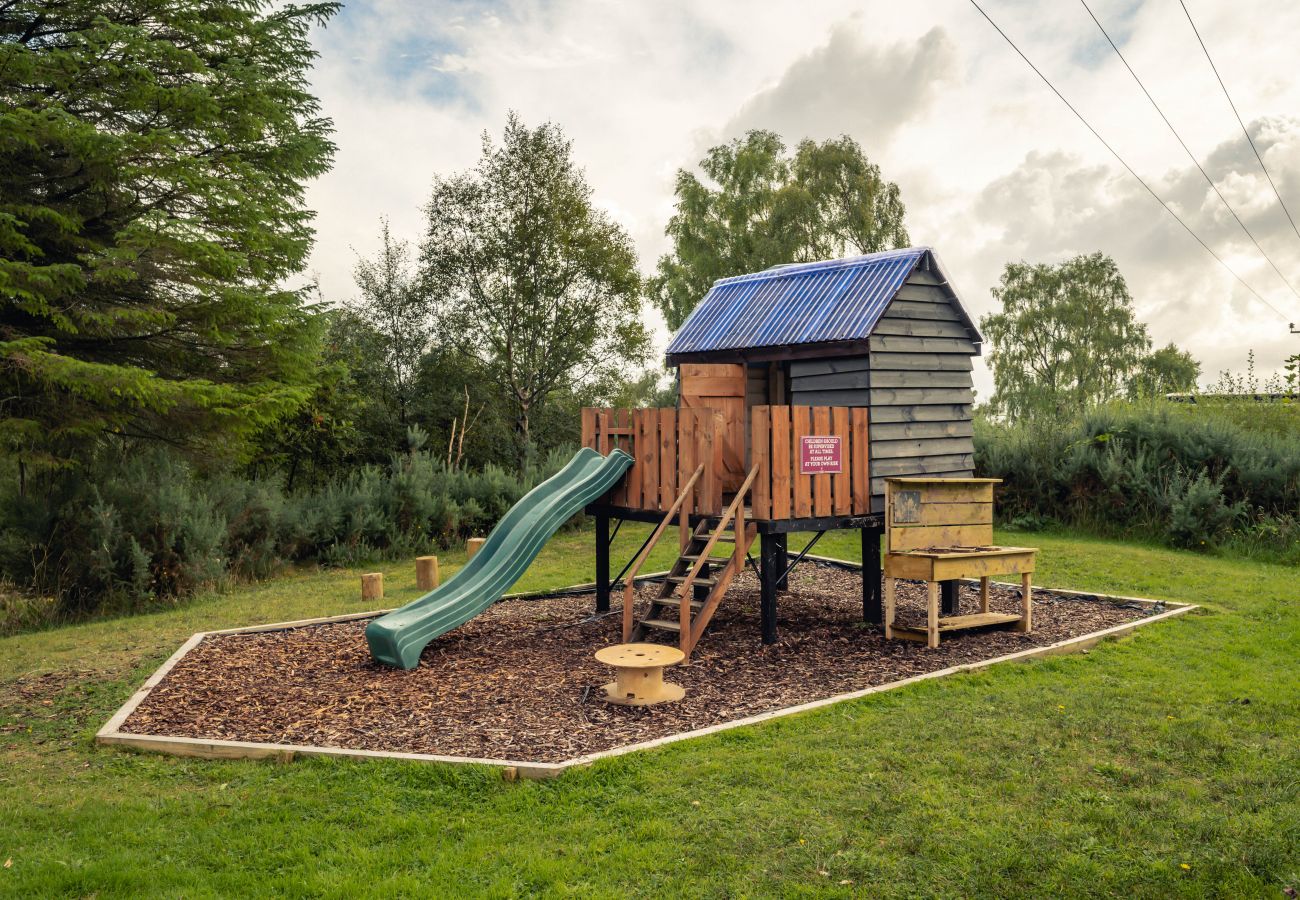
798, 559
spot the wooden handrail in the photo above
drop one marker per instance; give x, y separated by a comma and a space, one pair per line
687, 638
630, 584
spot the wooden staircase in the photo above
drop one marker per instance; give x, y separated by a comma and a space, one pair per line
711, 556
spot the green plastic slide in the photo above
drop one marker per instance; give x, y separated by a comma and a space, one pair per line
398, 638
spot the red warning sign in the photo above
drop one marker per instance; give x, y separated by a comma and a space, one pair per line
820, 455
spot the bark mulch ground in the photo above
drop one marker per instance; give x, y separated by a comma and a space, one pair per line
519, 682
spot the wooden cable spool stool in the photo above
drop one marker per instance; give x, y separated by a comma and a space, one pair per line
639, 674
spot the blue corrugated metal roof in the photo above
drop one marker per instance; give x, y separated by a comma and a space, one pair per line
803, 303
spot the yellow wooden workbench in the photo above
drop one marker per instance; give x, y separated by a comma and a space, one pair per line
939, 529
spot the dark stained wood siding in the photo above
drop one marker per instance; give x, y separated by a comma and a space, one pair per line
916, 381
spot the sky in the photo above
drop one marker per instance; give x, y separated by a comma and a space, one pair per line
991, 165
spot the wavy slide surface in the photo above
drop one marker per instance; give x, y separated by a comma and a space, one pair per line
398, 638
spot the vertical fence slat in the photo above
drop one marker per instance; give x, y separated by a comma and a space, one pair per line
781, 481
714, 462
637, 472
821, 483
649, 456
841, 483
667, 457
760, 452
687, 444
589, 427
605, 423
800, 426
860, 461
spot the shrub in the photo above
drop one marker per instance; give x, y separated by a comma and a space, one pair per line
132, 529
1195, 476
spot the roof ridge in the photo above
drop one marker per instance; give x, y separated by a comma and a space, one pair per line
784, 269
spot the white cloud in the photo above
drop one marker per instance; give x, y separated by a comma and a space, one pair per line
991, 165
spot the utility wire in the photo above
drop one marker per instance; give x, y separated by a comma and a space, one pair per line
1114, 153
1251, 140
1188, 151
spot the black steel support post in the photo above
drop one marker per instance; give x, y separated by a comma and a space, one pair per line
602, 562
948, 597
782, 561
873, 608
770, 574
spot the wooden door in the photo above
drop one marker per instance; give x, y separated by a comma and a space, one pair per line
720, 387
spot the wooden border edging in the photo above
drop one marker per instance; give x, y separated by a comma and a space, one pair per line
205, 748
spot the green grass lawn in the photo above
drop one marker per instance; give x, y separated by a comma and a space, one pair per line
1164, 764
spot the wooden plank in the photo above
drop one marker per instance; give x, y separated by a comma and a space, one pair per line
841, 484
635, 475
921, 379
810, 367
623, 419
801, 425
922, 447
822, 483
940, 311
714, 472
902, 430
949, 490
781, 466
920, 537
589, 427
649, 459
603, 425
667, 457
921, 276
983, 566
716, 386
938, 513
922, 293
919, 396
687, 444
925, 465
829, 398
892, 344
861, 461
760, 455
833, 381
878, 483
921, 328
938, 412
926, 362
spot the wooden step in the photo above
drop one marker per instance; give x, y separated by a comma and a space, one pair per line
662, 624
720, 560
957, 623
676, 602
681, 579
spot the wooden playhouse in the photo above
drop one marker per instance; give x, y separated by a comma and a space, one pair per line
800, 390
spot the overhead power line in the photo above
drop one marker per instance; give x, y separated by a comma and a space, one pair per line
1122, 162
1188, 151
1251, 140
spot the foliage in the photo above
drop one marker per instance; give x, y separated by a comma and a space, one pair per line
1185, 474
1065, 339
1233, 384
530, 279
762, 207
1166, 371
396, 306
152, 163
134, 527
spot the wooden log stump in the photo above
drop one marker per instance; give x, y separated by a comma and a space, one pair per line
372, 586
426, 572
472, 546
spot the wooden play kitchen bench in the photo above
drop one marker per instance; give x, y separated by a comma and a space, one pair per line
941, 529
